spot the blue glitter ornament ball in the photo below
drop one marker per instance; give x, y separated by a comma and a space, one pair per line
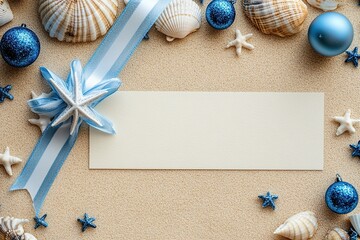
330, 34
20, 46
220, 14
341, 197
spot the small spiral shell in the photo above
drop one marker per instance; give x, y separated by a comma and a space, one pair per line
337, 234
301, 226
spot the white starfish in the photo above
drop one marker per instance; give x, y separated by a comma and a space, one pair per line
43, 121
77, 103
241, 41
6, 160
346, 123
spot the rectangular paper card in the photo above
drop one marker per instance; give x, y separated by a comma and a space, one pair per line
211, 130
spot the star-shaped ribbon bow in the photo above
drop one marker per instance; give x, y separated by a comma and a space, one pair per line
71, 101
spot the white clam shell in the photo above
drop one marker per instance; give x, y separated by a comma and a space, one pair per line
6, 14
337, 234
301, 226
325, 5
77, 21
355, 222
179, 19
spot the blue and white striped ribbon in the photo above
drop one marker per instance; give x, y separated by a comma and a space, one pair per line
109, 59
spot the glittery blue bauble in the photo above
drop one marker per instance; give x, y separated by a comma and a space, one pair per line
220, 14
341, 197
330, 34
20, 46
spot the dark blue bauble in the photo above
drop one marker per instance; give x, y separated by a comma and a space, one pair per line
220, 14
20, 46
330, 34
341, 197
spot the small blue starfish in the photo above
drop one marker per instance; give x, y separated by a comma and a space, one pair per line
268, 200
40, 221
353, 56
87, 222
353, 234
4, 93
356, 149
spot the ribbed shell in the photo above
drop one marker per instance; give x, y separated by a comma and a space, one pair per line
179, 19
325, 5
301, 226
77, 20
337, 234
279, 17
355, 222
6, 14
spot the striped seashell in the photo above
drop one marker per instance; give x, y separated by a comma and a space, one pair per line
179, 19
325, 5
278, 17
77, 20
337, 234
301, 226
6, 14
355, 222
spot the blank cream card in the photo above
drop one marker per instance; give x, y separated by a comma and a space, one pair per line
211, 130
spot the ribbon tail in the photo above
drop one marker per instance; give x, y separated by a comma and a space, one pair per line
45, 163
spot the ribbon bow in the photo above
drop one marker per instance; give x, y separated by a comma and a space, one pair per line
71, 99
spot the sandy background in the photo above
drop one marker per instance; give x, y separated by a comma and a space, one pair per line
185, 204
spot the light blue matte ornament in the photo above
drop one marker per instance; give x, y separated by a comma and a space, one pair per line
330, 34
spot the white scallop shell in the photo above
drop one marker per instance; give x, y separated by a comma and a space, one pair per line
355, 222
77, 21
301, 226
337, 234
325, 5
179, 19
6, 14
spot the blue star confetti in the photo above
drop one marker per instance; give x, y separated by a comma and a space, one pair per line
4, 93
40, 221
353, 234
268, 200
353, 56
87, 222
356, 149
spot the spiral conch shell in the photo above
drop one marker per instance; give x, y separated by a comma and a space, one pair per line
12, 228
77, 20
325, 5
301, 226
179, 19
278, 17
6, 14
337, 234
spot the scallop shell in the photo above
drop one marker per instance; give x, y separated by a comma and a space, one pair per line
301, 226
6, 14
337, 234
77, 20
179, 19
325, 5
278, 17
355, 222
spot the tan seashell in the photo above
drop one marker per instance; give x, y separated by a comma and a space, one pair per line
6, 14
337, 234
325, 5
179, 19
301, 226
355, 222
77, 20
278, 17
